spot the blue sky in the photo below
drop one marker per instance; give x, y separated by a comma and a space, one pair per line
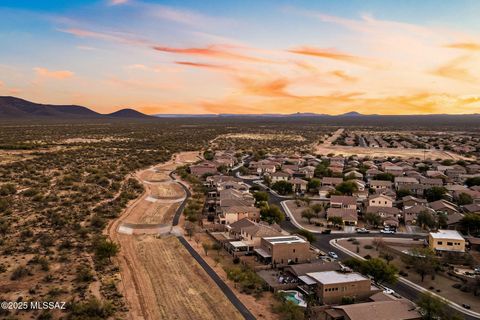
246, 56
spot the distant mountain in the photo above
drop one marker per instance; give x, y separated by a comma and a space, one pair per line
128, 113
16, 108
351, 114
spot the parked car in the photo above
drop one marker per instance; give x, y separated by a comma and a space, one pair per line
333, 255
466, 306
327, 231
388, 291
287, 218
387, 231
362, 230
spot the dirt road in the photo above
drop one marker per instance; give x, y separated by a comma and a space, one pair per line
159, 278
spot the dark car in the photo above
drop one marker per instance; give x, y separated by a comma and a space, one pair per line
327, 231
466, 306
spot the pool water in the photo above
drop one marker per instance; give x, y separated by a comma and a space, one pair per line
294, 296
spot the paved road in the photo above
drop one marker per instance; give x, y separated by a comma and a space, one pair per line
220, 283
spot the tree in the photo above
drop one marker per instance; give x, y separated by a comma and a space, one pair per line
308, 214
347, 187
217, 247
106, 249
425, 219
314, 184
206, 246
379, 270
283, 187
261, 196
272, 214
317, 208
337, 221
423, 261
322, 170
435, 193
7, 189
464, 198
471, 223
432, 307
384, 177
403, 193
474, 181
373, 219
387, 256
307, 234
209, 155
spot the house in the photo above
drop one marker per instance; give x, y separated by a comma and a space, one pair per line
416, 189
332, 286
324, 191
410, 201
235, 229
331, 181
232, 214
372, 172
411, 213
353, 175
299, 185
214, 181
204, 167
380, 184
266, 169
444, 206
360, 184
431, 182
349, 216
394, 170
471, 208
232, 197
380, 200
345, 202
283, 250
252, 234
279, 176
385, 310
307, 171
390, 215
400, 181
446, 240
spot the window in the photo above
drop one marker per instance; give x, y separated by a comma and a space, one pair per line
293, 250
439, 242
449, 243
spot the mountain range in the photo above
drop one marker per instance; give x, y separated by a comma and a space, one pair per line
16, 108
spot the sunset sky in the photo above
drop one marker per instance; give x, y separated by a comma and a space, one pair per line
385, 57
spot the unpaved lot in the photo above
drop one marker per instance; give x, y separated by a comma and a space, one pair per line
159, 278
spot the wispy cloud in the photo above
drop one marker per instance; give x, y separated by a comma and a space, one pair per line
471, 46
53, 74
212, 66
213, 51
333, 54
117, 2
455, 69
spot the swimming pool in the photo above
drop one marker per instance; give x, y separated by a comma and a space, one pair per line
294, 296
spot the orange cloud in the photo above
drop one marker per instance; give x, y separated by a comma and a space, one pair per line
454, 70
60, 74
213, 51
106, 36
342, 75
205, 65
270, 88
332, 54
472, 46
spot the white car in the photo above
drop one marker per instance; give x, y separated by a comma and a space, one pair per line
333, 255
388, 291
387, 231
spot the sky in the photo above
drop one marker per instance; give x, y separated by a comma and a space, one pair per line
244, 57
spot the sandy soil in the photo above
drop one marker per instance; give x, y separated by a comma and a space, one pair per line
159, 278
261, 136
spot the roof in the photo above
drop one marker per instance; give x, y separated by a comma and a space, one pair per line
474, 207
381, 183
440, 204
304, 268
447, 234
381, 196
345, 214
262, 252
334, 277
387, 210
260, 230
385, 310
331, 180
405, 180
242, 223
241, 209
344, 200
284, 239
